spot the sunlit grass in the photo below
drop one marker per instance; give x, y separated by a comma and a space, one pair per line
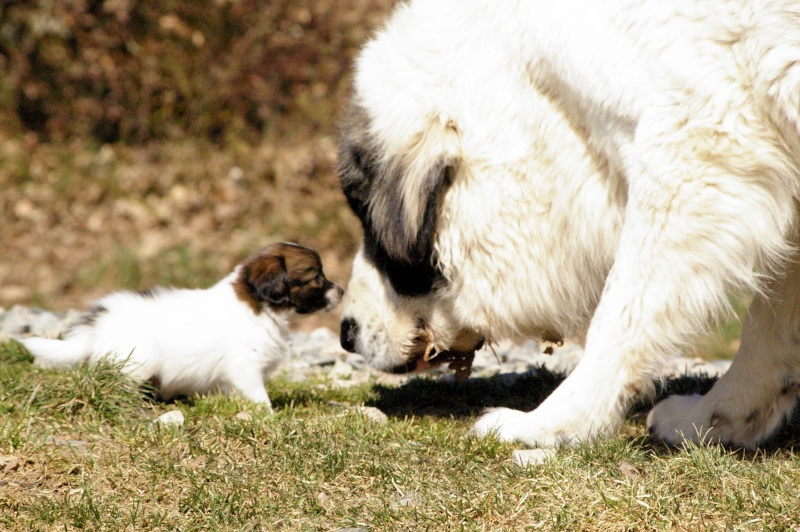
87, 454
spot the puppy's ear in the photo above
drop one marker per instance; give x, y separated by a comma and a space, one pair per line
264, 279
275, 289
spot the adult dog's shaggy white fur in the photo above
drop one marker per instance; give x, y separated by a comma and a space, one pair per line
227, 337
533, 168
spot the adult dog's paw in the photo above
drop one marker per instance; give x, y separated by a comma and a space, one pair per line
680, 418
533, 429
504, 423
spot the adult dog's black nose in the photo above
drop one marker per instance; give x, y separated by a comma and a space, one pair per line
348, 334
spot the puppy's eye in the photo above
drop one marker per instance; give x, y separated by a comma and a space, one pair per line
316, 280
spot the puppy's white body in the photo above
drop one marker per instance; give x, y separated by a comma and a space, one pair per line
189, 341
622, 164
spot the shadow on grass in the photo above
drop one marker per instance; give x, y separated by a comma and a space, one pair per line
446, 398
427, 396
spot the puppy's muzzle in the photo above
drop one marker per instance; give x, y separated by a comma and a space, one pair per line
333, 296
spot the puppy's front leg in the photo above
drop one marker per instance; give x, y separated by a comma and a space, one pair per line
250, 385
684, 247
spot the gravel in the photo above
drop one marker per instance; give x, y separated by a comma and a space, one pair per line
318, 354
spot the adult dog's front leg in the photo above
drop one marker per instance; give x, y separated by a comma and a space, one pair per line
684, 247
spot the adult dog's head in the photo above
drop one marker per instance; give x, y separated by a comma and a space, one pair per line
478, 196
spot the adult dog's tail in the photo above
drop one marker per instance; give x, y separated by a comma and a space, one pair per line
50, 353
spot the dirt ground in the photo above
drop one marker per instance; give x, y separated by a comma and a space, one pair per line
77, 221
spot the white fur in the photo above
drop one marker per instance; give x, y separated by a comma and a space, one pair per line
187, 340
625, 165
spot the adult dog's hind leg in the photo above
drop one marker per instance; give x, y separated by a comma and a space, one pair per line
760, 389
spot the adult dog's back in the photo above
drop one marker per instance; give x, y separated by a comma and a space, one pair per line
530, 167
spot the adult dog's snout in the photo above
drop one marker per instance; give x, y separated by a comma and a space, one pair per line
348, 334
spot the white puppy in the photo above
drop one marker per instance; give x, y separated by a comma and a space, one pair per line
533, 168
228, 337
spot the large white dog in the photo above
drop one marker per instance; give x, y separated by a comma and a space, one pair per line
532, 168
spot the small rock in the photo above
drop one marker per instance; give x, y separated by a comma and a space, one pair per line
235, 173
564, 359
341, 370
72, 317
355, 360
408, 499
372, 414
173, 418
629, 470
9, 463
531, 457
322, 361
324, 500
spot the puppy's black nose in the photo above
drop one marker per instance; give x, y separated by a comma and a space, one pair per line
348, 334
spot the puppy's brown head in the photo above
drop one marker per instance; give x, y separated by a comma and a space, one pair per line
286, 276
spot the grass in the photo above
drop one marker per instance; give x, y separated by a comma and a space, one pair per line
79, 449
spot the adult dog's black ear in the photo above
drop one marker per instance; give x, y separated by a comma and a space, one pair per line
358, 160
405, 208
397, 197
264, 279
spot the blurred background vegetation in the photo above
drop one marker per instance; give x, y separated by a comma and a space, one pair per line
152, 142
137, 71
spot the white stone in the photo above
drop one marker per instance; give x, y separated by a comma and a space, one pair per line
372, 414
173, 418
